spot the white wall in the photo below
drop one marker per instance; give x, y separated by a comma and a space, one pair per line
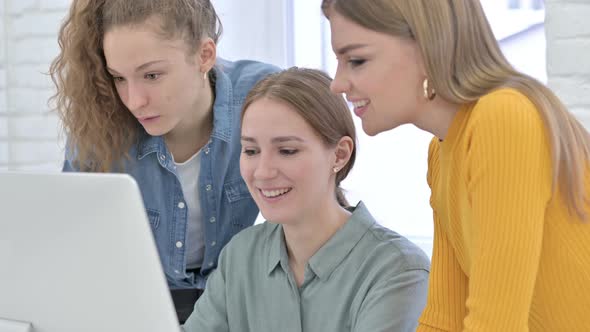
253, 29
568, 54
533, 40
28, 133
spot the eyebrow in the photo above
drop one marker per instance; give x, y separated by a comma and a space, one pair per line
349, 48
141, 67
280, 139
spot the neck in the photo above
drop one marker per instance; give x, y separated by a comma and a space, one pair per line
305, 238
192, 133
436, 117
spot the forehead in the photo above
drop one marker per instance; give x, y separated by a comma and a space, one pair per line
132, 45
271, 115
146, 35
345, 32
348, 36
342, 26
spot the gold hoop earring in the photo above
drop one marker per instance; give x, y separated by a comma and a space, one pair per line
427, 93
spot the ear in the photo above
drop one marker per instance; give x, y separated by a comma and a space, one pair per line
206, 54
343, 152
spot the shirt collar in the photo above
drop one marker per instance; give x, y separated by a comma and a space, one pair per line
149, 144
333, 252
223, 107
276, 249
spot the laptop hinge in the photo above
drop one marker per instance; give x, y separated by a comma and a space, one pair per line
8, 325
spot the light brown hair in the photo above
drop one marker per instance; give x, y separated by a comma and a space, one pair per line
464, 62
307, 91
99, 127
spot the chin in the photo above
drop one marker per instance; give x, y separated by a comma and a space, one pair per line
371, 130
156, 131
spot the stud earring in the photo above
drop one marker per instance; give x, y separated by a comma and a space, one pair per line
427, 93
336, 169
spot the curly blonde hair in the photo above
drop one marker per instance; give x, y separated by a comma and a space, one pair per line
99, 127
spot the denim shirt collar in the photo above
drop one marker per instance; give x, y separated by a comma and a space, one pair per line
333, 252
223, 108
150, 144
222, 117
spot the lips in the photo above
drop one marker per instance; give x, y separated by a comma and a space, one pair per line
145, 120
360, 106
272, 193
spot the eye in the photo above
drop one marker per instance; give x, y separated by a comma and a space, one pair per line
356, 62
288, 152
152, 76
249, 151
118, 79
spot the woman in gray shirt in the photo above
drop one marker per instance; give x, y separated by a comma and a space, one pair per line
317, 264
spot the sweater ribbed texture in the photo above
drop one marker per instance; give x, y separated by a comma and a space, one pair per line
506, 256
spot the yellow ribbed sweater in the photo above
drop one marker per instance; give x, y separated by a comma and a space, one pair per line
506, 256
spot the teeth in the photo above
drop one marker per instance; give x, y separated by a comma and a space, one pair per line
361, 103
275, 193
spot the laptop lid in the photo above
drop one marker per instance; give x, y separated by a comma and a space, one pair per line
77, 254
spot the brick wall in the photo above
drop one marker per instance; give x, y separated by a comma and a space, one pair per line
29, 133
568, 54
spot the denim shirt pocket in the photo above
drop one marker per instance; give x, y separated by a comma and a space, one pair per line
153, 217
241, 204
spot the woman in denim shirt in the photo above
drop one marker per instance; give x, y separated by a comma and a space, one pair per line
140, 91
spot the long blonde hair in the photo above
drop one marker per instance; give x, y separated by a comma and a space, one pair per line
464, 62
99, 127
307, 91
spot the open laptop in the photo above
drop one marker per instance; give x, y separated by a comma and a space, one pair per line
77, 254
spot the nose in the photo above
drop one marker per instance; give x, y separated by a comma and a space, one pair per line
340, 83
136, 97
265, 168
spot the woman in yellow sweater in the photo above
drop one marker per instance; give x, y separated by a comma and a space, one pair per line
508, 166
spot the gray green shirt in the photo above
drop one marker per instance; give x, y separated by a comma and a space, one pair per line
365, 278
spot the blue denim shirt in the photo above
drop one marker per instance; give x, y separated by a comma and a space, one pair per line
226, 204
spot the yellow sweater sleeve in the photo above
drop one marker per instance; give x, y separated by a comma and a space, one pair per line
509, 186
447, 289
499, 192
447, 284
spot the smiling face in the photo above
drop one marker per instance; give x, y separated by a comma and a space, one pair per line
155, 78
286, 165
380, 74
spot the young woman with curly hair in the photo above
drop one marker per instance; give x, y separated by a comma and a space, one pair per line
141, 91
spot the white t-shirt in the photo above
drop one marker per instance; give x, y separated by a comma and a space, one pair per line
188, 174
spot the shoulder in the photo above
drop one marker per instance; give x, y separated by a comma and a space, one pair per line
244, 74
505, 107
398, 250
393, 251
501, 120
